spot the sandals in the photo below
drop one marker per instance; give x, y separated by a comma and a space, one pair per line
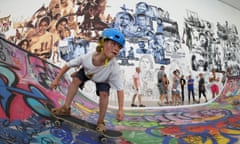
101, 127
61, 111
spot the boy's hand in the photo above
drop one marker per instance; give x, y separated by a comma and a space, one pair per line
54, 84
74, 74
120, 115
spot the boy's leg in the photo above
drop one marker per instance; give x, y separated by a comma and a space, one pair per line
103, 104
78, 78
72, 90
103, 93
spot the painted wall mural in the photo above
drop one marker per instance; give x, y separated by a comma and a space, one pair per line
24, 118
59, 31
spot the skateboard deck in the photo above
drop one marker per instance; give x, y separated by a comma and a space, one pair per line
82, 123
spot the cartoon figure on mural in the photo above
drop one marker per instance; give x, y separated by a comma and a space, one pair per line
65, 44
188, 35
124, 23
157, 44
41, 41
92, 12
200, 54
142, 48
24, 44
131, 54
143, 28
146, 66
68, 45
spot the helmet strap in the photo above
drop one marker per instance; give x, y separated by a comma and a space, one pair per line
106, 59
99, 47
106, 62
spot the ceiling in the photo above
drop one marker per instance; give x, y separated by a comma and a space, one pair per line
232, 3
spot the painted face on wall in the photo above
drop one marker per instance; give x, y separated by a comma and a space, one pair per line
141, 20
202, 40
145, 64
124, 20
43, 26
141, 7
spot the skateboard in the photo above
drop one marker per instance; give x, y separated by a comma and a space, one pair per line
59, 119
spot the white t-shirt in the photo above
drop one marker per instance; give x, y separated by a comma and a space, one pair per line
111, 73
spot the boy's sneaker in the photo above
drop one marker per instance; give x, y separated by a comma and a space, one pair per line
101, 127
141, 105
133, 105
61, 111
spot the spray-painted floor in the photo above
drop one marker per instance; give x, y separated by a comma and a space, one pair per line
24, 88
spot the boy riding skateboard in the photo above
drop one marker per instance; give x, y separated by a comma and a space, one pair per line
102, 68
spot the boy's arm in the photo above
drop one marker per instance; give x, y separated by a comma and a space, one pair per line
54, 83
120, 94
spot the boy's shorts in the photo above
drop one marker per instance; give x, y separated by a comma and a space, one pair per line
100, 86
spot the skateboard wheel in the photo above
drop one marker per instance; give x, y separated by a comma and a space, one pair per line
47, 122
103, 139
57, 123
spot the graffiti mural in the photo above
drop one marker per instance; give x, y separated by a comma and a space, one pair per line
210, 47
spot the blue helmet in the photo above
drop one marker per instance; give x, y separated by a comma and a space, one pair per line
113, 34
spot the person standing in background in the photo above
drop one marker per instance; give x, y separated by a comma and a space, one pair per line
214, 83
224, 78
175, 89
190, 83
182, 84
161, 87
201, 87
137, 89
166, 84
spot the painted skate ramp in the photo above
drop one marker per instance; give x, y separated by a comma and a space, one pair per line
24, 89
